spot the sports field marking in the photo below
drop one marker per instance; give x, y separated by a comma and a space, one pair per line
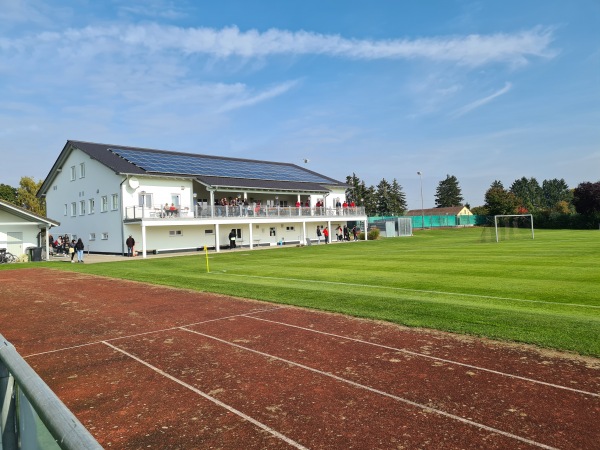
422, 291
423, 355
212, 399
62, 349
379, 392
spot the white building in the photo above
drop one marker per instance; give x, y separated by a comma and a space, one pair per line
20, 229
104, 193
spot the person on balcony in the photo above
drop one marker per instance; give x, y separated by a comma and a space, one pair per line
172, 210
166, 210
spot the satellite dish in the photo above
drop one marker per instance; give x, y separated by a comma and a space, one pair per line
134, 183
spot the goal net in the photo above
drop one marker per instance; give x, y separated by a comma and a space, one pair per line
513, 226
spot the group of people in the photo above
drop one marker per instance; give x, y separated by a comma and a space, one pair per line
342, 234
169, 210
65, 246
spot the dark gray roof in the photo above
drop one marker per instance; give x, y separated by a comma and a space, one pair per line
208, 169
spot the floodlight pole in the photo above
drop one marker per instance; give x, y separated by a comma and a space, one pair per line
422, 209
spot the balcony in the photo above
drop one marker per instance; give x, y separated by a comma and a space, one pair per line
216, 212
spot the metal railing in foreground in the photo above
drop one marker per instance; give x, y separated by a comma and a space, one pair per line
24, 397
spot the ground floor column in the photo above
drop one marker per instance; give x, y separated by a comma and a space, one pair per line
250, 236
366, 229
143, 240
217, 240
304, 233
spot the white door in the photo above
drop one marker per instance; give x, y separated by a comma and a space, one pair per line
14, 244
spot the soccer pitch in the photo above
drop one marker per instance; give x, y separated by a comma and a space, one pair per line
543, 291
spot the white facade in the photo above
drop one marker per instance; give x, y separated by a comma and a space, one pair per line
103, 207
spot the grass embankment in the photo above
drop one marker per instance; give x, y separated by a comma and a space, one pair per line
544, 291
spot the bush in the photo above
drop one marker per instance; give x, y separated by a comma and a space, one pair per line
373, 234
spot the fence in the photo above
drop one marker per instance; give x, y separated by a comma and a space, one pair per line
438, 221
32, 416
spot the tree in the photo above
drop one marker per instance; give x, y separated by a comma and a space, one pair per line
586, 198
357, 192
500, 201
529, 193
383, 198
398, 204
8, 193
448, 193
555, 193
26, 196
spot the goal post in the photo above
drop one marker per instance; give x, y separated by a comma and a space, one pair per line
513, 215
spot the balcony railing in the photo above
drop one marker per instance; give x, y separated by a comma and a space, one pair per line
243, 212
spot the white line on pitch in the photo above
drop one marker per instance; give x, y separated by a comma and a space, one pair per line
421, 291
423, 355
150, 332
210, 398
377, 391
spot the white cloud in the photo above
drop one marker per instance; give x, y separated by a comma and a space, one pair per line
472, 50
483, 101
244, 99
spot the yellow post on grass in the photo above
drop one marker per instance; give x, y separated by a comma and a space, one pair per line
206, 252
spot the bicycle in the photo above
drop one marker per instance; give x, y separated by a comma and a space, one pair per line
6, 257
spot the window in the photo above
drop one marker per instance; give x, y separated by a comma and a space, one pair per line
208, 231
175, 233
114, 202
91, 205
82, 170
82, 207
66, 210
104, 236
175, 200
289, 228
73, 173
73, 209
104, 203
92, 236
272, 231
145, 199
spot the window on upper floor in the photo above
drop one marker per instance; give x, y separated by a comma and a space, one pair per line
145, 199
82, 170
66, 210
92, 236
73, 173
104, 203
73, 209
82, 207
91, 205
114, 202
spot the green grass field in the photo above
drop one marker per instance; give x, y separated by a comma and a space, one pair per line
544, 291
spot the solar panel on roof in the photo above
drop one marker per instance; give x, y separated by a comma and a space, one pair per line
210, 166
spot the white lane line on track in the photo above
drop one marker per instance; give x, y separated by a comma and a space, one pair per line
377, 391
73, 347
419, 291
232, 410
423, 355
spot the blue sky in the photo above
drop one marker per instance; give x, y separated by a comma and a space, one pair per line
481, 90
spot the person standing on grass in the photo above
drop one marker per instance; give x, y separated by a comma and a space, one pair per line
318, 234
79, 247
130, 242
71, 247
326, 235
